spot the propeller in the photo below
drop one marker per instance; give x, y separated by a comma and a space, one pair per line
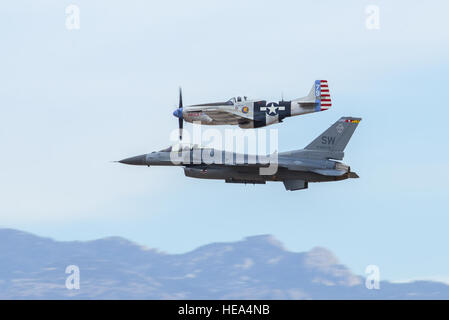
178, 113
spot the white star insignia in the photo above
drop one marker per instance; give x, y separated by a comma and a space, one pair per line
272, 109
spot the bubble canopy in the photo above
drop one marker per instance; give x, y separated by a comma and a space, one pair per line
236, 99
181, 147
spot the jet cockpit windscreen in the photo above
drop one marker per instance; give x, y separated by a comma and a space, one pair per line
181, 147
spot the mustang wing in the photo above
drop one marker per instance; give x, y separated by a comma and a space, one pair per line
222, 114
226, 115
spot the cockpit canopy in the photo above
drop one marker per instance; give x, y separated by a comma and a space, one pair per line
181, 147
237, 99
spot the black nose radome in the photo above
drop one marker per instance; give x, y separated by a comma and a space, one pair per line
136, 161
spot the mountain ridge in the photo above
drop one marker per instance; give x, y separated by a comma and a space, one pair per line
256, 267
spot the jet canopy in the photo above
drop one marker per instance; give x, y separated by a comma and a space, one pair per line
181, 147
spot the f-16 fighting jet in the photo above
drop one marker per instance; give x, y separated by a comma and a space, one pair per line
315, 163
253, 113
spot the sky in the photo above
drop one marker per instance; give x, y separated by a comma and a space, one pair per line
71, 101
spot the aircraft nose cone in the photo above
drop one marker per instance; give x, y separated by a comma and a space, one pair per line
178, 113
136, 161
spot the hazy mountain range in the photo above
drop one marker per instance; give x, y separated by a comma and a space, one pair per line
257, 267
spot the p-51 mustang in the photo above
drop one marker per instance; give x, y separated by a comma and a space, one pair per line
253, 113
314, 163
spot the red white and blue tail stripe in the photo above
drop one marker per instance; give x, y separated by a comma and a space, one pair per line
322, 95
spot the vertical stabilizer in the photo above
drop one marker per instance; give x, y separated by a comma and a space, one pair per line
336, 137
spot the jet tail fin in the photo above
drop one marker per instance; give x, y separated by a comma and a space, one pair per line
319, 96
336, 137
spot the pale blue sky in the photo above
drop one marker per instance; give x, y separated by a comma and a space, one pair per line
71, 101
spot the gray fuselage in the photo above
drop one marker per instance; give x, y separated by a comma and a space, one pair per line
207, 163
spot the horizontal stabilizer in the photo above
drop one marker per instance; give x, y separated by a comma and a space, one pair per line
353, 175
329, 172
319, 96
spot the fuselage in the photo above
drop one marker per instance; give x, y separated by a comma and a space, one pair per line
296, 168
245, 113
208, 163
255, 113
